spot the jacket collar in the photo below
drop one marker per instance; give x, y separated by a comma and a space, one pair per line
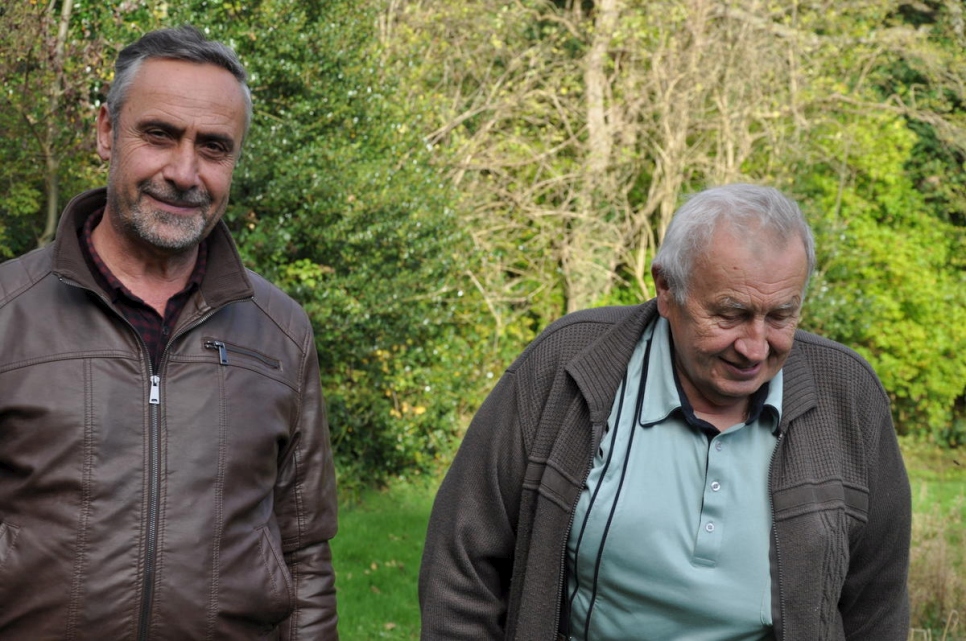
226, 279
599, 368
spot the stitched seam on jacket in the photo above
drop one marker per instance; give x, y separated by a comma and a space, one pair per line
219, 507
87, 462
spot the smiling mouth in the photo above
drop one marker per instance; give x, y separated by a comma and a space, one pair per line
177, 204
176, 198
749, 371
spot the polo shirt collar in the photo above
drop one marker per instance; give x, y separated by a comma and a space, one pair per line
663, 394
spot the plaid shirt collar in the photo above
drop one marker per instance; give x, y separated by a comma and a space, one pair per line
111, 284
154, 329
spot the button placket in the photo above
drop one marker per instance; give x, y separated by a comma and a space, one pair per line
708, 541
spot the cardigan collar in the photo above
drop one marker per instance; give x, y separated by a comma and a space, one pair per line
599, 368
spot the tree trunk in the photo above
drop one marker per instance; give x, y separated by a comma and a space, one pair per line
52, 163
587, 254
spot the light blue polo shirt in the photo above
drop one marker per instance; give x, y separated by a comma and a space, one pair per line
672, 532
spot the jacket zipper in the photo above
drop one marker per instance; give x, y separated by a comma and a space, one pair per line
561, 588
154, 470
154, 484
154, 504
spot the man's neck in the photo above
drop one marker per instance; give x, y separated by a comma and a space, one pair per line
151, 275
723, 418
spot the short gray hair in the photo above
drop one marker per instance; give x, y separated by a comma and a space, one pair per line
177, 43
743, 208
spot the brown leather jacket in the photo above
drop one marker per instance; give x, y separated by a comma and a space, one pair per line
194, 502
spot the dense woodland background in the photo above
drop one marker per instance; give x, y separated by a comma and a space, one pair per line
437, 181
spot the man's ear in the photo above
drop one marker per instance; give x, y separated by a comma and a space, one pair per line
663, 290
105, 133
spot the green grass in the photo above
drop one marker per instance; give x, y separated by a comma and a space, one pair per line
937, 573
376, 557
937, 477
381, 534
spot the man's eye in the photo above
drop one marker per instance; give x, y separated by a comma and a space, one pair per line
217, 149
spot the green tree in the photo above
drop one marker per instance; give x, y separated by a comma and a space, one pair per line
885, 285
48, 94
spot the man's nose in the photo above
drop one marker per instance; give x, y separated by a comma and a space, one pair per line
753, 343
181, 168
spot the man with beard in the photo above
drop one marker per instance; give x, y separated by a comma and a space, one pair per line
165, 468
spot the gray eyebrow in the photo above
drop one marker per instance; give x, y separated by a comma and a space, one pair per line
734, 304
174, 130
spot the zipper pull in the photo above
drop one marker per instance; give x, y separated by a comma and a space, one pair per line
155, 398
222, 350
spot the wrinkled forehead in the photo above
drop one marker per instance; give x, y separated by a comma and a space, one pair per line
186, 96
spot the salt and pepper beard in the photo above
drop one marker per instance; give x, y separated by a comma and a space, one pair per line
150, 226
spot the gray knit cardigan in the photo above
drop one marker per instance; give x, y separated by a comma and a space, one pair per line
494, 562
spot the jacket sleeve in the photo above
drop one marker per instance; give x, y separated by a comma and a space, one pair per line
306, 510
875, 603
468, 557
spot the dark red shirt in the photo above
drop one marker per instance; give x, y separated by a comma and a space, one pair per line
153, 329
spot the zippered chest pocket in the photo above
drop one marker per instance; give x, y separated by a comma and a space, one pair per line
228, 351
234, 358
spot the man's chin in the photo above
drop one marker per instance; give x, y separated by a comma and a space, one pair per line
172, 243
739, 390
175, 236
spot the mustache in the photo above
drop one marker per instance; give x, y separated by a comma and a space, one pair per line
170, 194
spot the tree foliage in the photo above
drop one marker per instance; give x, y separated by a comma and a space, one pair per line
48, 93
436, 182
337, 203
574, 129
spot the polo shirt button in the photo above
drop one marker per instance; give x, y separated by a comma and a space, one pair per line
709, 527
718, 445
715, 486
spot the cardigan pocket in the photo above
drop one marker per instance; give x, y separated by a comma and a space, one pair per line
815, 524
827, 515
821, 496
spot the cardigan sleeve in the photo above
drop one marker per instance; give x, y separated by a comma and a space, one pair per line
468, 557
875, 603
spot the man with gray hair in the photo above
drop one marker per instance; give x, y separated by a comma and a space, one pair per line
165, 466
694, 467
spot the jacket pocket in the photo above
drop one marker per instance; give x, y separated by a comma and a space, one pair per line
256, 586
8, 539
278, 576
